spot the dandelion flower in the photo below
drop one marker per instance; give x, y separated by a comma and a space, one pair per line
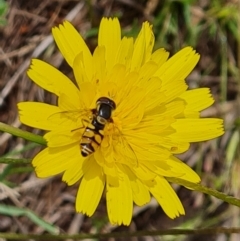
130, 153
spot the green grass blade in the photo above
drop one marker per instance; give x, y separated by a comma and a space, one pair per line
15, 212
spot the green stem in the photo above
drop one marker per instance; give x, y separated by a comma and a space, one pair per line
23, 134
125, 235
15, 161
198, 187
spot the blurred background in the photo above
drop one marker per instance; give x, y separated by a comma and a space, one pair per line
30, 205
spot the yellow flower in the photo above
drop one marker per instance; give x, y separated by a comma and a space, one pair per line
155, 117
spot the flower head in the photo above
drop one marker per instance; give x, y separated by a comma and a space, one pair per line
119, 127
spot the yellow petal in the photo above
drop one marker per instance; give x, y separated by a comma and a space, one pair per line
197, 99
173, 89
178, 166
59, 138
65, 103
142, 47
109, 169
38, 115
88, 94
70, 44
52, 80
52, 161
141, 195
90, 190
99, 69
80, 71
173, 167
154, 100
159, 121
179, 66
162, 168
167, 198
160, 56
130, 112
147, 151
110, 37
143, 172
150, 40
124, 152
174, 145
120, 200
70, 120
74, 172
117, 78
125, 87
140, 134
194, 130
124, 54
174, 108
145, 74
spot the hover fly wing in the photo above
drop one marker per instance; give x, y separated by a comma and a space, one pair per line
126, 151
71, 118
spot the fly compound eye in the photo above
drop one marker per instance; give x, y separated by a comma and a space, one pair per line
113, 105
106, 101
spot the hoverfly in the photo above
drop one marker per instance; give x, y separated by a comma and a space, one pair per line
96, 120
93, 134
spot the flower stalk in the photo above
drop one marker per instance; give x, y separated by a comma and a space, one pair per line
23, 134
203, 189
